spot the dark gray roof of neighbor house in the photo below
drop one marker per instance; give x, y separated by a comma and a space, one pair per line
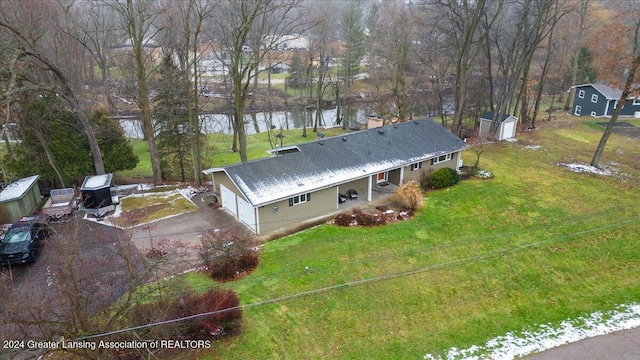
606, 90
490, 114
335, 160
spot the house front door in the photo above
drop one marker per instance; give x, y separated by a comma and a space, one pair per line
382, 177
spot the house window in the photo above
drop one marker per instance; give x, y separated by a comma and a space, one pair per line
593, 113
581, 94
441, 158
382, 177
416, 166
594, 98
578, 110
299, 199
636, 101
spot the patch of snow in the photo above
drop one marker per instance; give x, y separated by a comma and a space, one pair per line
143, 187
517, 344
189, 192
50, 276
97, 181
581, 168
532, 147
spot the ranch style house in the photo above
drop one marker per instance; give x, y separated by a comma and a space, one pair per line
311, 180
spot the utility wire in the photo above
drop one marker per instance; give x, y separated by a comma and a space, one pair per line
480, 257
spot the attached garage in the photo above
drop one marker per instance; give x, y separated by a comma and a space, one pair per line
228, 200
237, 206
506, 130
246, 213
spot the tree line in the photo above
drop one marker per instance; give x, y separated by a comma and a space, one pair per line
65, 63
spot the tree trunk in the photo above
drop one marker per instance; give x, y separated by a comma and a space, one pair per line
543, 76
91, 137
625, 94
50, 157
574, 64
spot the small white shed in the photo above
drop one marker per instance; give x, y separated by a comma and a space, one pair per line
506, 130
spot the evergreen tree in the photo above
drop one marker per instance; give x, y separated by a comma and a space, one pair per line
172, 121
586, 70
54, 146
355, 41
117, 150
297, 77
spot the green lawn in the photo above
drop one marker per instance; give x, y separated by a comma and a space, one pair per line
537, 244
218, 151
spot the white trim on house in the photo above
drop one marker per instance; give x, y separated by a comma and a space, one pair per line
440, 159
228, 200
246, 213
385, 177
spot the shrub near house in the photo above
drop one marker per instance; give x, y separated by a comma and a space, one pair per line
442, 178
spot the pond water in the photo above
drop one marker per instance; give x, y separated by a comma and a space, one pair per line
261, 121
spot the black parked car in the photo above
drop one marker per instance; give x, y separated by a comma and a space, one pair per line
23, 241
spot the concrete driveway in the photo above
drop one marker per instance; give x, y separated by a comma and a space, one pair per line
186, 228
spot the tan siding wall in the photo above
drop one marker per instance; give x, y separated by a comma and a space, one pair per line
414, 175
394, 176
485, 126
322, 202
222, 178
453, 163
359, 185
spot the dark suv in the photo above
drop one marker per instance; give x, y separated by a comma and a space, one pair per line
23, 241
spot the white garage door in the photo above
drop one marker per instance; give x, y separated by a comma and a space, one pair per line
246, 213
508, 130
228, 199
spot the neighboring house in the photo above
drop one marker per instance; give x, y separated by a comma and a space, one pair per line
304, 182
19, 199
506, 130
600, 100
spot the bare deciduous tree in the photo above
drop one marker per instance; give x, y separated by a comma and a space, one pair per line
138, 20
247, 31
623, 59
41, 60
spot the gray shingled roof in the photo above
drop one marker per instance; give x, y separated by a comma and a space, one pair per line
331, 161
490, 114
606, 90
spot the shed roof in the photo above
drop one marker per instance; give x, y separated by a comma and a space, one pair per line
490, 114
96, 182
16, 190
331, 161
